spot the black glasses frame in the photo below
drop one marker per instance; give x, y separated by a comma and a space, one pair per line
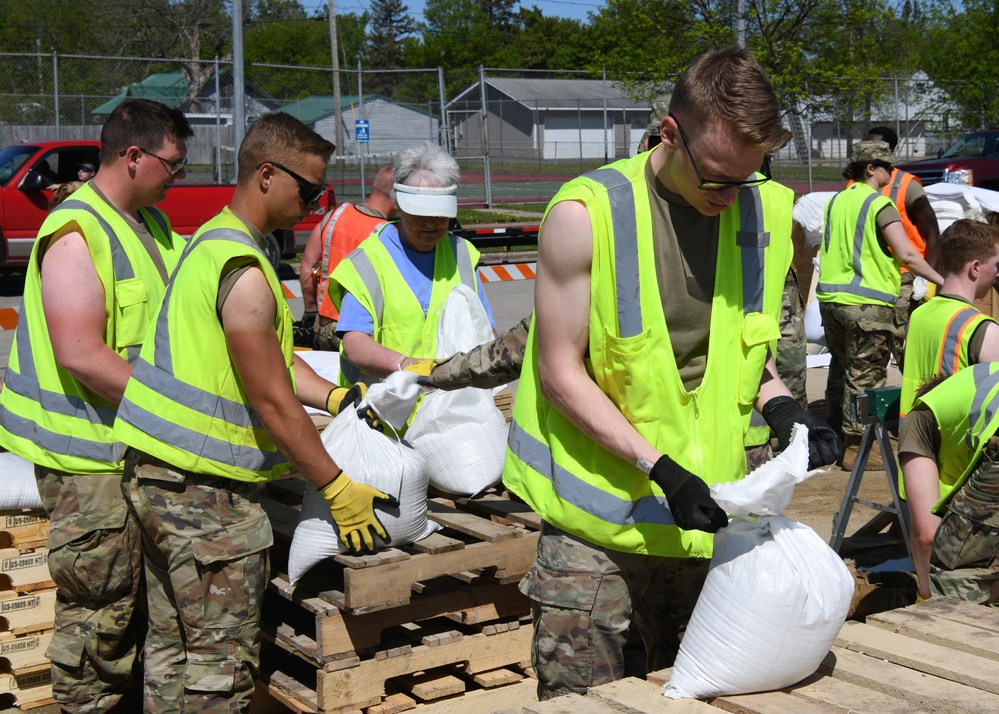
720, 185
309, 192
173, 167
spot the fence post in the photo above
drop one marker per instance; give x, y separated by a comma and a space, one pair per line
362, 149
55, 91
486, 170
809, 142
218, 123
605, 114
579, 133
238, 83
443, 125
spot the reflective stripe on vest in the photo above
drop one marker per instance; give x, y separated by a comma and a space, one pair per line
369, 276
854, 286
161, 380
982, 412
950, 350
537, 455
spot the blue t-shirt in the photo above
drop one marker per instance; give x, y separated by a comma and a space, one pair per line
417, 270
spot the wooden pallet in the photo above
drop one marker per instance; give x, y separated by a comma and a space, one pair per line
25, 613
488, 539
938, 656
28, 689
23, 530
25, 571
422, 621
434, 666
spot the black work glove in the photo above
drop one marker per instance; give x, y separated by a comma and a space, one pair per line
824, 445
688, 497
309, 317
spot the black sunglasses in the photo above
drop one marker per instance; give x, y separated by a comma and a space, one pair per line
309, 192
173, 167
721, 185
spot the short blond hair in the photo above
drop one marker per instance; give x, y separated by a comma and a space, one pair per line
730, 86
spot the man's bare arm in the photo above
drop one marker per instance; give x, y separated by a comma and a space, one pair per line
73, 302
922, 215
248, 320
562, 305
313, 253
922, 490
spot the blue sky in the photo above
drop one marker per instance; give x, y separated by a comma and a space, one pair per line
560, 8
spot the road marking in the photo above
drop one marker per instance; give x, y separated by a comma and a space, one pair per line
513, 271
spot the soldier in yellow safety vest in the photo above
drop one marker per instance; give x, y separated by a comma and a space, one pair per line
859, 258
949, 453
213, 408
657, 304
94, 282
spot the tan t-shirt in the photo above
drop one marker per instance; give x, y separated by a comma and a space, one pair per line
237, 266
919, 434
686, 251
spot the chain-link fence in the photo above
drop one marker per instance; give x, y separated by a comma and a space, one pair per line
517, 134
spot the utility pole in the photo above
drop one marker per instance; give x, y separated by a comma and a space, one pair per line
740, 24
238, 83
337, 118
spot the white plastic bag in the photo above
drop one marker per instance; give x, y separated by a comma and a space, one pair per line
18, 488
775, 597
394, 397
461, 433
367, 456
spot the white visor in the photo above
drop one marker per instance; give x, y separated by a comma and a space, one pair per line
427, 200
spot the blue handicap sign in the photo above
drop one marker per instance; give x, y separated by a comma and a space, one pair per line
361, 133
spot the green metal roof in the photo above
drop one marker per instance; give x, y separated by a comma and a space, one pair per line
312, 109
168, 88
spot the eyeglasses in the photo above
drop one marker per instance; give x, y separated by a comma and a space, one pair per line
721, 185
883, 165
172, 167
85, 168
309, 192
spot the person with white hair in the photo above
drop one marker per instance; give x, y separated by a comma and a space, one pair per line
390, 291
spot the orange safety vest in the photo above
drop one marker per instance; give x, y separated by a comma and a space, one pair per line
344, 231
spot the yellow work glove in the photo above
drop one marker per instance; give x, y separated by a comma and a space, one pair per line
421, 368
341, 397
920, 598
352, 505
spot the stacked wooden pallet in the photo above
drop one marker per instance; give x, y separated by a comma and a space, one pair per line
382, 632
27, 610
938, 656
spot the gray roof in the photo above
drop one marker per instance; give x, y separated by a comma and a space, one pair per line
557, 93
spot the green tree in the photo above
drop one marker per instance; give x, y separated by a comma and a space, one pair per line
390, 24
960, 53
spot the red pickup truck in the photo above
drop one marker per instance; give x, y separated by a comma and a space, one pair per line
27, 170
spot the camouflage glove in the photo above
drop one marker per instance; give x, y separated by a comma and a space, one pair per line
352, 506
340, 397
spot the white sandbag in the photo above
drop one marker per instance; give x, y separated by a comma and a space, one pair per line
775, 597
369, 457
809, 211
18, 488
394, 397
815, 333
461, 433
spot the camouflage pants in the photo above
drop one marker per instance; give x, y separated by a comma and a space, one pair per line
792, 347
903, 311
601, 615
205, 541
95, 559
859, 340
966, 545
326, 338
